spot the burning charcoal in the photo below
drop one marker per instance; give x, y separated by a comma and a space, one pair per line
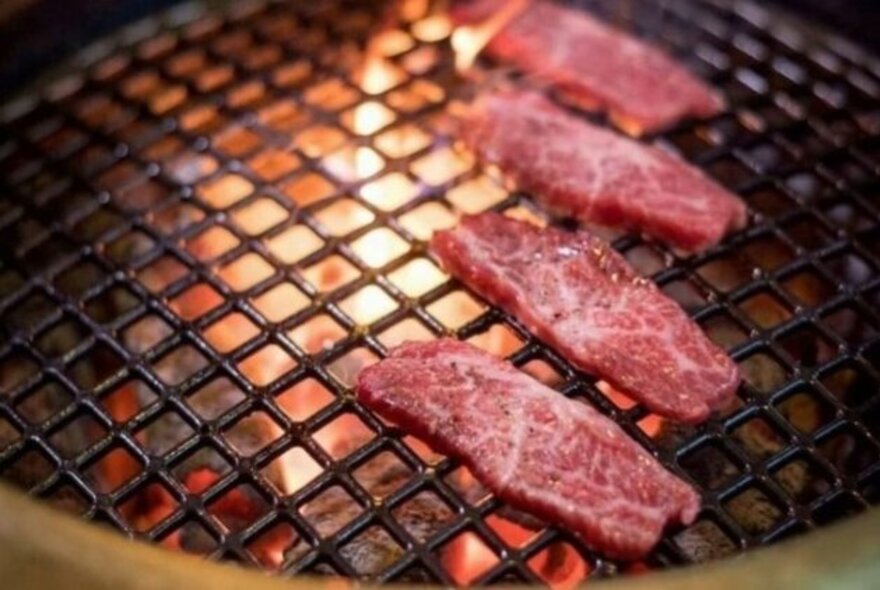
50, 397
804, 411
754, 511
793, 477
802, 480
710, 466
331, 510
374, 550
704, 541
383, 474
759, 439
186, 168
214, 399
251, 433
423, 516
763, 373
236, 509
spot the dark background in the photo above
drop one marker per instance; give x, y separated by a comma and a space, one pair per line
34, 33
857, 20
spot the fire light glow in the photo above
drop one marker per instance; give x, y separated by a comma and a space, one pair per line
469, 40
467, 556
650, 424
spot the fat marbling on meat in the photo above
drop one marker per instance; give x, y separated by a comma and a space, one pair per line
580, 170
595, 65
535, 449
572, 290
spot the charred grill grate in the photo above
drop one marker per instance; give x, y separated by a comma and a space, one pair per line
206, 233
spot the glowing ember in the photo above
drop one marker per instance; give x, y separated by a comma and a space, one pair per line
650, 424
411, 10
432, 28
378, 75
467, 557
512, 533
561, 566
469, 40
297, 469
499, 340
376, 137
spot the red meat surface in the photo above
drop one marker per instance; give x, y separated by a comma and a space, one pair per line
578, 295
539, 451
580, 170
596, 65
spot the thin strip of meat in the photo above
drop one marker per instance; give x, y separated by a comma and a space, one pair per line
595, 65
577, 294
535, 449
583, 171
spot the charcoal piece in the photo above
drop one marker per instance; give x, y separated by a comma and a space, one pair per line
374, 550
704, 541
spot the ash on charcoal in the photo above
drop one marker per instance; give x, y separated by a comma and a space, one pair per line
754, 511
423, 516
373, 550
763, 373
704, 541
711, 466
759, 438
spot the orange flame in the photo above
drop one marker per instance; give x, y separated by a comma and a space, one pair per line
469, 40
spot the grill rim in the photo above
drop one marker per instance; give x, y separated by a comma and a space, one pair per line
79, 554
830, 552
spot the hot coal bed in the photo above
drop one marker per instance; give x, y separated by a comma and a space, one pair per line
212, 221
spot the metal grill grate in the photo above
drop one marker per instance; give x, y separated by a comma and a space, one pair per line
214, 222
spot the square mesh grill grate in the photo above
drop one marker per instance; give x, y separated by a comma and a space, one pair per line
216, 219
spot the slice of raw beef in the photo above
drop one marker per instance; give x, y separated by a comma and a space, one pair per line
583, 171
595, 65
534, 448
578, 295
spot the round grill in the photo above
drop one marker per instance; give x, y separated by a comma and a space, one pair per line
213, 220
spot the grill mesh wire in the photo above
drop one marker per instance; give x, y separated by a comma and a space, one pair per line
110, 179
